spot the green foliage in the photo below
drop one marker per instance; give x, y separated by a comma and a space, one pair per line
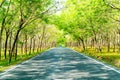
80, 18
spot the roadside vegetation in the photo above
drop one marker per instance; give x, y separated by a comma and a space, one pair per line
112, 58
4, 65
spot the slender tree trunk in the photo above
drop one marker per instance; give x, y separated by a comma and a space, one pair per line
108, 43
114, 42
42, 37
1, 32
26, 44
38, 44
108, 47
95, 37
22, 48
83, 43
10, 43
30, 45
77, 44
6, 42
114, 47
100, 43
1, 41
34, 44
93, 43
16, 51
14, 43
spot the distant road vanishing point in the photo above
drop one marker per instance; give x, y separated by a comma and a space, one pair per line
61, 64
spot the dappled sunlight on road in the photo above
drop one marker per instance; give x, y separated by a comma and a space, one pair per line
60, 64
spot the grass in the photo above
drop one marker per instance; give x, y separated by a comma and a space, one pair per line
4, 64
112, 58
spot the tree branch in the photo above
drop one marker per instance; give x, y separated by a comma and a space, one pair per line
115, 19
2, 3
44, 12
111, 5
33, 18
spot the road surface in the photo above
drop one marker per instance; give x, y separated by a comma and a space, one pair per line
61, 64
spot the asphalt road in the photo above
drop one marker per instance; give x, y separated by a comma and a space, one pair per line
61, 64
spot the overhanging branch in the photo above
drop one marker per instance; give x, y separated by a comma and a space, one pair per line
2, 3
111, 5
115, 19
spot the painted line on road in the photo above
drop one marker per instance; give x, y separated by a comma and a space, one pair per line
97, 62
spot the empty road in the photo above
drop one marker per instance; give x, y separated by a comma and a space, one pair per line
61, 64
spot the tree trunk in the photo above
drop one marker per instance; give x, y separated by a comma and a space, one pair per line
83, 44
26, 44
10, 43
114, 47
16, 50
108, 43
38, 49
33, 44
100, 43
108, 46
22, 48
6, 42
30, 45
42, 37
17, 34
14, 43
92, 43
1, 32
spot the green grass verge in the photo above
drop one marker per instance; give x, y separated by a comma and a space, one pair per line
4, 64
112, 58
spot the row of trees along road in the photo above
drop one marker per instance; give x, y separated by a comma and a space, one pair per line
23, 27
92, 23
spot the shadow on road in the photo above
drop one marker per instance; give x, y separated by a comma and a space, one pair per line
60, 64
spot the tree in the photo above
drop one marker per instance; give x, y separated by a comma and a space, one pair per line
28, 15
